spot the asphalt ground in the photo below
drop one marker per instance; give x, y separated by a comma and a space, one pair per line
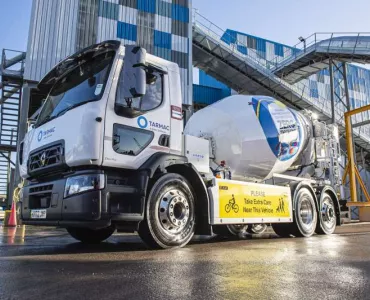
46, 263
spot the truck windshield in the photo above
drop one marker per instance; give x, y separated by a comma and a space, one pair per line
85, 82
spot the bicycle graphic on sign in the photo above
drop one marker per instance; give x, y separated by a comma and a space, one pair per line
232, 205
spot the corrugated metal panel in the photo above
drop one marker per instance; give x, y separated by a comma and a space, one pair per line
161, 27
87, 24
270, 51
61, 27
186, 96
287, 52
206, 95
52, 35
207, 80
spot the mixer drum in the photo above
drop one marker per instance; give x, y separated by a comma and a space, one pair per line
255, 135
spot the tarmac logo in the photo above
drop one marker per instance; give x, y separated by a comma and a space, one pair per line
43, 134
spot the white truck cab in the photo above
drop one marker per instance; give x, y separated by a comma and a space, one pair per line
108, 152
89, 159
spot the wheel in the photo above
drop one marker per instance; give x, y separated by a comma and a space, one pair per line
257, 228
327, 219
90, 236
305, 214
236, 208
236, 229
170, 213
282, 229
227, 208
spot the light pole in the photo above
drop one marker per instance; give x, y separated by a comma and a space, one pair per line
303, 40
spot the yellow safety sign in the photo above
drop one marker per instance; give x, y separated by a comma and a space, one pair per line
253, 201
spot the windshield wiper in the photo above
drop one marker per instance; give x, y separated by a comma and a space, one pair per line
62, 112
45, 120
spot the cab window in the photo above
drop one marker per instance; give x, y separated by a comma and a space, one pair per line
152, 98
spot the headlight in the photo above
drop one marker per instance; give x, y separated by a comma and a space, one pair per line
83, 183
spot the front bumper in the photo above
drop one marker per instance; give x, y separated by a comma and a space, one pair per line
90, 209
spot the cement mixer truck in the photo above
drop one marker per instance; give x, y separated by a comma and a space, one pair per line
109, 151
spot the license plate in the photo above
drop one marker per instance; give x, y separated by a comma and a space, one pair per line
38, 214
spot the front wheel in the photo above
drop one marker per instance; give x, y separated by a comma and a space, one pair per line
170, 213
90, 236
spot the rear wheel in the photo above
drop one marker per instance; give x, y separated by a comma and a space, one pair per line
327, 218
170, 213
305, 214
90, 236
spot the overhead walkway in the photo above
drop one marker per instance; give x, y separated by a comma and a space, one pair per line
313, 54
249, 74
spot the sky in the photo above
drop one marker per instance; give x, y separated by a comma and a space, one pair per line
277, 20
14, 23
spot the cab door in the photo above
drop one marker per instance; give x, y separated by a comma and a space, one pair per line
135, 131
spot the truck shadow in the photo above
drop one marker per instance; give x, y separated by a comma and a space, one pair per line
63, 244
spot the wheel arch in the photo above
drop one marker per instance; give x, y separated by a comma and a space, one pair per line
187, 170
296, 186
161, 163
330, 190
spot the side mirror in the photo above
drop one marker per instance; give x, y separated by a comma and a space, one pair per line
31, 123
134, 75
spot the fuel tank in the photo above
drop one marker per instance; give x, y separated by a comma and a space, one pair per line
256, 136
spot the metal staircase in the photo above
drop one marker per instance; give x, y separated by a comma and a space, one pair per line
11, 72
4, 172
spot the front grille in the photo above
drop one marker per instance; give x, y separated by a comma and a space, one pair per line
45, 158
41, 188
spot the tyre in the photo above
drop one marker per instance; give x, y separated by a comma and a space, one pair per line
304, 214
227, 208
170, 213
282, 230
90, 236
256, 228
327, 221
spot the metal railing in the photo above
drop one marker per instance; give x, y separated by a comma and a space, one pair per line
12, 61
346, 42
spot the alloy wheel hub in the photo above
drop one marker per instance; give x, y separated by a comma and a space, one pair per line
174, 211
327, 212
